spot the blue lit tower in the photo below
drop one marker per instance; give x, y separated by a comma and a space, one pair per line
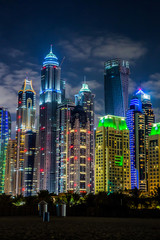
85, 98
116, 77
25, 121
133, 113
140, 116
50, 97
5, 134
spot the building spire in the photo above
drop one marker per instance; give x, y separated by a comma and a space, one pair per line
26, 75
51, 48
84, 79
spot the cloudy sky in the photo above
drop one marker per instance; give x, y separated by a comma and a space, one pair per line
87, 33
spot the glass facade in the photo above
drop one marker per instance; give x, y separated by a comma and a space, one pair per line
50, 97
116, 77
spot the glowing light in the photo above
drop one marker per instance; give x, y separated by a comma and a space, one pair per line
23, 189
19, 129
75, 158
89, 185
41, 170
89, 159
20, 102
75, 130
71, 146
89, 132
25, 150
19, 117
42, 149
75, 184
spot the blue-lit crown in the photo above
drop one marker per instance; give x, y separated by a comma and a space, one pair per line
51, 59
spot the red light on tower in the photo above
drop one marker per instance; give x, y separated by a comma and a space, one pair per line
89, 132
19, 130
75, 184
41, 170
89, 159
75, 158
89, 185
23, 189
20, 102
19, 117
42, 149
71, 146
25, 150
67, 159
75, 130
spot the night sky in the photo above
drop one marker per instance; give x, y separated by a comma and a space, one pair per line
87, 33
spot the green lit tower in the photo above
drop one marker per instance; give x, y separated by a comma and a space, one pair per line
5, 134
112, 155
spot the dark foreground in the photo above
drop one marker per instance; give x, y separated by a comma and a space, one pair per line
69, 228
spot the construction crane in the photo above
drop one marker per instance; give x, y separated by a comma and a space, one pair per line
62, 61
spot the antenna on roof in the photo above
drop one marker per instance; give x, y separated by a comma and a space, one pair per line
26, 75
51, 48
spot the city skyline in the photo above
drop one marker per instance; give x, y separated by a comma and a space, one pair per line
85, 48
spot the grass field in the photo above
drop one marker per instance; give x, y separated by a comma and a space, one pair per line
69, 228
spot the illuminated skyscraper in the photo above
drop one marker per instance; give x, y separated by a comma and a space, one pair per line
25, 121
154, 159
85, 98
112, 155
9, 186
140, 116
78, 160
116, 77
29, 186
63, 120
50, 97
5, 134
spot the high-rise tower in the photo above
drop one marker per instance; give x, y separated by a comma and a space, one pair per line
140, 117
5, 134
78, 161
85, 98
112, 158
25, 121
116, 77
50, 97
63, 122
9, 187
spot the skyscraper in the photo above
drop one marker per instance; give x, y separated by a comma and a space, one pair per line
5, 134
50, 97
78, 161
154, 159
63, 122
112, 155
25, 121
116, 77
9, 186
85, 98
29, 188
140, 116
